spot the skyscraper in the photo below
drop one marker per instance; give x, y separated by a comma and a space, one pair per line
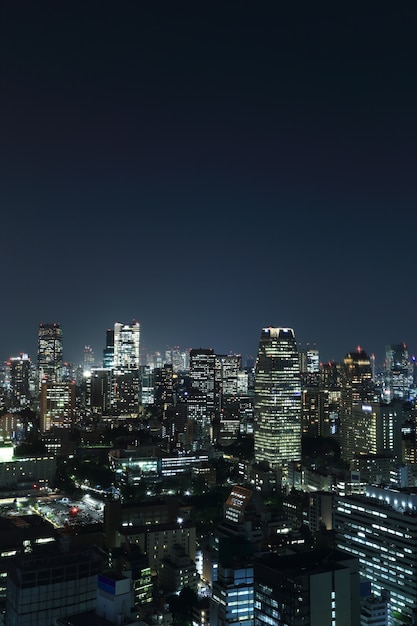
19, 380
50, 352
277, 399
380, 529
126, 346
398, 372
126, 368
108, 352
357, 389
201, 399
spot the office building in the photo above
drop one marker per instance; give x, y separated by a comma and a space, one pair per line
17, 534
126, 368
18, 476
227, 369
232, 597
108, 352
163, 381
318, 587
374, 611
88, 359
201, 399
126, 346
310, 367
47, 584
357, 389
100, 390
398, 376
277, 399
313, 402
50, 353
57, 405
20, 372
320, 511
180, 360
380, 529
177, 570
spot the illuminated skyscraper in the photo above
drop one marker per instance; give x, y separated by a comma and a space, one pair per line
398, 372
126, 346
380, 528
126, 368
200, 402
227, 369
357, 389
57, 405
50, 353
19, 380
277, 399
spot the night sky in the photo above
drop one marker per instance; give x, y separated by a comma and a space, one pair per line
208, 169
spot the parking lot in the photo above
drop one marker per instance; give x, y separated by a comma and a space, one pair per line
60, 511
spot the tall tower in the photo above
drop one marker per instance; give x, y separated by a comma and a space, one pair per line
277, 399
50, 353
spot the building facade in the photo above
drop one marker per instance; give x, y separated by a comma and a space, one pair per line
126, 368
380, 529
357, 389
277, 399
319, 587
50, 352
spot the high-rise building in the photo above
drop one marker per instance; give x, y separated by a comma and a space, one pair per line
126, 346
319, 587
310, 366
108, 352
50, 353
277, 399
330, 387
126, 368
357, 389
375, 428
20, 369
398, 372
227, 369
88, 358
45, 585
232, 603
380, 528
201, 400
164, 386
146, 386
100, 386
57, 404
179, 359
237, 538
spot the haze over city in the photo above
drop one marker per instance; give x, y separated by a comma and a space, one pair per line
208, 171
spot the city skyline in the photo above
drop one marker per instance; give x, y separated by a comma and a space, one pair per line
145, 351
209, 171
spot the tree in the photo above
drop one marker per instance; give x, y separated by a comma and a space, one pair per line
182, 606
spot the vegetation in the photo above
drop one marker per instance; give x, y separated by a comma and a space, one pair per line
182, 606
208, 509
32, 446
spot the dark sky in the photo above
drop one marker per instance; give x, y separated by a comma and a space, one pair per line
208, 169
